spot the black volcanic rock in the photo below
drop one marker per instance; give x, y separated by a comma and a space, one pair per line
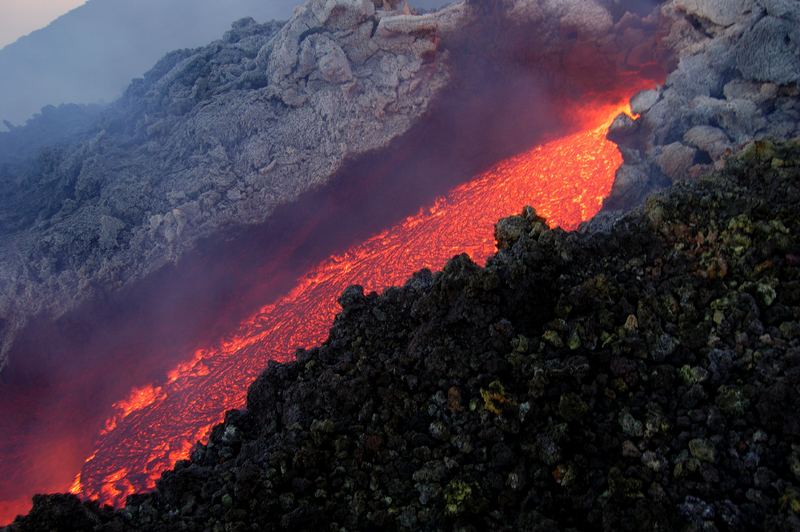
641, 379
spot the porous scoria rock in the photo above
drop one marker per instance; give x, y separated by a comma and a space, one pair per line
211, 138
736, 80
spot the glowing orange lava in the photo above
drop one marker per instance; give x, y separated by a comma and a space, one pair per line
157, 425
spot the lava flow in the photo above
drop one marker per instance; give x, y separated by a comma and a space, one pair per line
157, 424
565, 180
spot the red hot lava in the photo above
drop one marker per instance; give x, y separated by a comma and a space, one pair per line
565, 180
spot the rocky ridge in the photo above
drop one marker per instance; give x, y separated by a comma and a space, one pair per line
641, 379
736, 80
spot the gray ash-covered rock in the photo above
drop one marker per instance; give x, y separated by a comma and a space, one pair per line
736, 80
641, 379
209, 139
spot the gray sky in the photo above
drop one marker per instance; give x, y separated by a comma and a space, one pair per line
20, 17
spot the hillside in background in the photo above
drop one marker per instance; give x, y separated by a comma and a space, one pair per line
91, 53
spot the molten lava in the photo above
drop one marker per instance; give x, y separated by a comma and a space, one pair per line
565, 180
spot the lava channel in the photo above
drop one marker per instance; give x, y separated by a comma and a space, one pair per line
565, 180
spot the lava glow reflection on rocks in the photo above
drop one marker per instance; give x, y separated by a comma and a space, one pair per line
565, 180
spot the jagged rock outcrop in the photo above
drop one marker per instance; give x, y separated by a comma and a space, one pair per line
641, 379
736, 80
211, 138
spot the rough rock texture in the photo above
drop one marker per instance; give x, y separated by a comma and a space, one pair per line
641, 379
211, 138
718, 12
736, 80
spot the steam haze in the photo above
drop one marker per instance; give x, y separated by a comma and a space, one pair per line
91, 53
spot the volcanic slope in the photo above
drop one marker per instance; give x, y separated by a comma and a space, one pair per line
640, 379
209, 138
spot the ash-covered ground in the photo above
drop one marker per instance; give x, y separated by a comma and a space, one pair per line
209, 138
